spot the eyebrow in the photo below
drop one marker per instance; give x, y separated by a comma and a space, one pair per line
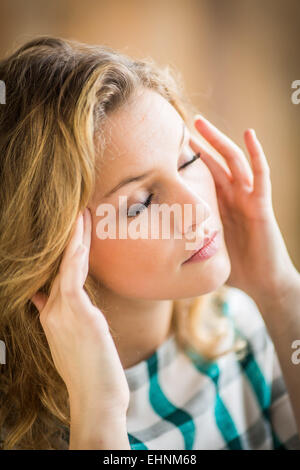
130, 179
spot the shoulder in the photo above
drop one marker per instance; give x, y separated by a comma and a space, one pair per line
249, 325
262, 367
243, 310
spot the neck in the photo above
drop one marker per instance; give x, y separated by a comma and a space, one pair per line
138, 327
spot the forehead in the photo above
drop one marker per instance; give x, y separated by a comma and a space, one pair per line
146, 122
137, 136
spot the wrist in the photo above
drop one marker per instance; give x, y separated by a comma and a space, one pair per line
278, 291
279, 308
106, 433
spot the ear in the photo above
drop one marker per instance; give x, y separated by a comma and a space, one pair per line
39, 300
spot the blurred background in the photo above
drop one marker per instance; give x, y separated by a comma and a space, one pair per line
238, 59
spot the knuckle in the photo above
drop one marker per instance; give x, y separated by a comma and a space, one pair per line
67, 289
78, 255
264, 169
259, 170
239, 152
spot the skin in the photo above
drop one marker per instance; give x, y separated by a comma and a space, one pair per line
139, 278
260, 262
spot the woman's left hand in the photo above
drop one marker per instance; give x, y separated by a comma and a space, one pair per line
260, 263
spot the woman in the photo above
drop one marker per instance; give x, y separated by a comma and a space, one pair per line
132, 342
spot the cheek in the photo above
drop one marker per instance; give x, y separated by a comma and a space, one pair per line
132, 267
211, 189
125, 266
205, 176
204, 185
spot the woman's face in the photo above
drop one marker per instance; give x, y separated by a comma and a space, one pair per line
144, 137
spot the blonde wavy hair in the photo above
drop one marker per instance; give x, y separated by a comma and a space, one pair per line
59, 94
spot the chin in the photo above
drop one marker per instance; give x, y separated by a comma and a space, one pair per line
213, 276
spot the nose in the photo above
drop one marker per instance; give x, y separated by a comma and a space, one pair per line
193, 225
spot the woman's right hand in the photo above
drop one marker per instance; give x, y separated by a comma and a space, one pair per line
78, 335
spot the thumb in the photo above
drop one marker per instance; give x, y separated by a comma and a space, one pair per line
39, 300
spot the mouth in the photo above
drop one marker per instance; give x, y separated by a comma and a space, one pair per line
207, 242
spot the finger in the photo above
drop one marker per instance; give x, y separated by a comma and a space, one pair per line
221, 174
39, 300
75, 241
54, 288
71, 277
72, 280
87, 240
77, 236
87, 228
234, 156
260, 167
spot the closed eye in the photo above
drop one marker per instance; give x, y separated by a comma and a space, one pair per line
140, 207
195, 157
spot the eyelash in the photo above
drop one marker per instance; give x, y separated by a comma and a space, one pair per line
148, 201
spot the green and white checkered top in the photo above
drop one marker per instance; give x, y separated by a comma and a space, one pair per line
179, 401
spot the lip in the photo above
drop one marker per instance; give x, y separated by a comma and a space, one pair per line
209, 248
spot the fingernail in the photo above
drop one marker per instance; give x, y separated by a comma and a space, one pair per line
200, 118
197, 117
